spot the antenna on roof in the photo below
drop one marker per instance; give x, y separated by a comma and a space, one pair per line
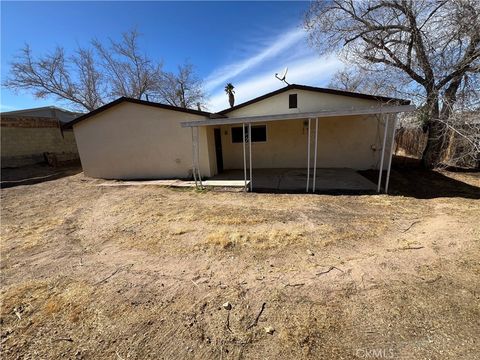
283, 76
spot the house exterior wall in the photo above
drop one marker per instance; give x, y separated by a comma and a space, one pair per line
343, 142
133, 141
24, 141
308, 101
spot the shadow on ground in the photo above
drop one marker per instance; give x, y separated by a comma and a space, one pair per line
34, 174
413, 181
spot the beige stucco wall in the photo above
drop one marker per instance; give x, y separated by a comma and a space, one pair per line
133, 141
308, 101
23, 146
353, 142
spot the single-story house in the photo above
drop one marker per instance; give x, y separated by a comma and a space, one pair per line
296, 127
32, 136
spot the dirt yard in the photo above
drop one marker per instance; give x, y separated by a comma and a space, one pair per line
92, 272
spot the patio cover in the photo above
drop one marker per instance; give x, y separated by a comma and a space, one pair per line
387, 110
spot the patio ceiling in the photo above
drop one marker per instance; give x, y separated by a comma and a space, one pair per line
306, 115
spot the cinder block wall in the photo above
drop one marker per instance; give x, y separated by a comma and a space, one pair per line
25, 142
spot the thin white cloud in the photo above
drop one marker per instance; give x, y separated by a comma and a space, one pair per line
313, 70
228, 72
4, 107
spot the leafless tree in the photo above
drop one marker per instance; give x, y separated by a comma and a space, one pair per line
361, 80
93, 76
183, 89
432, 48
129, 72
52, 75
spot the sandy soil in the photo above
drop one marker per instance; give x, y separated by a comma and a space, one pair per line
92, 272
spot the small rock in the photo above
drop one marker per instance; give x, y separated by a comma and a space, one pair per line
227, 306
269, 330
310, 252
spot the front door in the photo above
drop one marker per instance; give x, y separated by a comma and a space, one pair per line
218, 149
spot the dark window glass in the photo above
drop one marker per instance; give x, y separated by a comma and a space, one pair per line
259, 134
237, 134
292, 101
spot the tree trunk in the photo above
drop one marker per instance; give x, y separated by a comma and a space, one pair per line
231, 99
436, 144
438, 139
432, 154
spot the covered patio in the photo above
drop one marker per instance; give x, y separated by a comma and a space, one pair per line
293, 180
305, 175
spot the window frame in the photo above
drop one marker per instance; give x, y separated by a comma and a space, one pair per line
246, 133
290, 96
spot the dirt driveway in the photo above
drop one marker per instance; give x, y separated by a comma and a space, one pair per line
91, 272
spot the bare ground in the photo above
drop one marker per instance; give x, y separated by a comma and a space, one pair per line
142, 272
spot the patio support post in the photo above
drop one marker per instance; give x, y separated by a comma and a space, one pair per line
392, 145
250, 153
315, 155
308, 156
383, 155
244, 159
193, 160
197, 147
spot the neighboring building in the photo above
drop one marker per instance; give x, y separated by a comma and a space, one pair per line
135, 139
34, 136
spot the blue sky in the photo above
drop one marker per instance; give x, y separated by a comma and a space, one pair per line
245, 43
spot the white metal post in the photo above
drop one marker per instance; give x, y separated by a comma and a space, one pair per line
391, 154
250, 153
308, 156
194, 170
315, 155
198, 157
382, 156
244, 159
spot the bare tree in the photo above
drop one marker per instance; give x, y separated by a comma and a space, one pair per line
362, 80
89, 77
52, 75
183, 89
432, 46
129, 72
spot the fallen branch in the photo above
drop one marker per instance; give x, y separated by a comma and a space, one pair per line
64, 339
412, 248
228, 322
330, 269
258, 317
112, 274
411, 225
293, 285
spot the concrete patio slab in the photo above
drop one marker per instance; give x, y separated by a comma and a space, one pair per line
327, 179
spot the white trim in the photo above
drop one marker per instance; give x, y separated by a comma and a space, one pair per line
315, 155
250, 152
308, 155
244, 159
392, 145
379, 185
194, 168
294, 116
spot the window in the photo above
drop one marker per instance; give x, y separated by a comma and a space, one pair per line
292, 101
259, 133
